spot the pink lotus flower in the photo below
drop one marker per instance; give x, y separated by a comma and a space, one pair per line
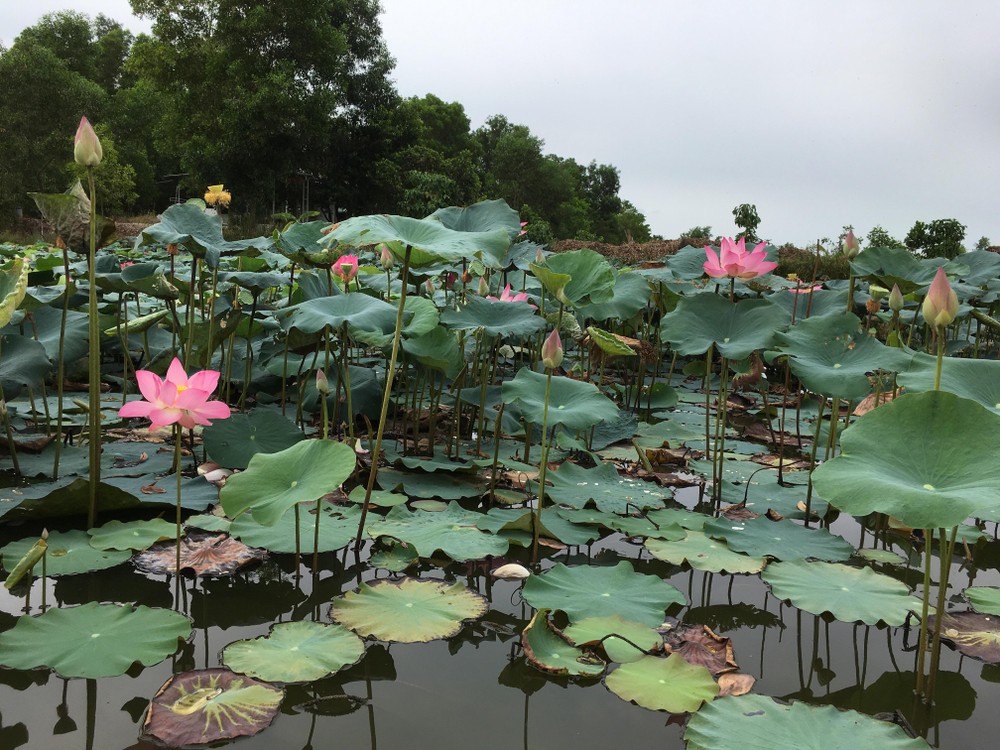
735, 262
87, 150
552, 350
345, 267
523, 230
941, 303
506, 296
178, 398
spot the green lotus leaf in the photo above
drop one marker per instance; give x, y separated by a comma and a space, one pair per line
762, 493
603, 632
484, 216
93, 640
813, 304
577, 277
849, 594
984, 599
437, 349
756, 722
660, 396
420, 484
209, 705
688, 263
643, 526
300, 240
149, 279
659, 684
23, 365
884, 556
453, 531
976, 379
337, 529
396, 559
430, 240
505, 319
783, 540
209, 522
631, 294
507, 521
132, 535
572, 403
256, 282
707, 319
233, 442
13, 286
934, 482
686, 519
609, 343
832, 356
549, 650
378, 498
702, 552
69, 553
274, 482
199, 233
893, 265
974, 634
295, 652
421, 316
408, 610
368, 320
584, 591
603, 486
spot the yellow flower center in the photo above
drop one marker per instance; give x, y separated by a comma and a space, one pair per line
181, 388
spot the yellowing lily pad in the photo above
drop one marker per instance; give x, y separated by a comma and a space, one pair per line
548, 649
702, 552
300, 651
659, 684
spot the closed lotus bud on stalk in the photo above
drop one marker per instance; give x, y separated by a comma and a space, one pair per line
87, 149
386, 259
484, 288
539, 257
872, 305
552, 350
322, 384
851, 246
941, 303
429, 286
466, 277
895, 299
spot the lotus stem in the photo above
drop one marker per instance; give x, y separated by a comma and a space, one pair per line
812, 459
345, 362
924, 610
939, 332
543, 465
945, 553
61, 366
95, 361
177, 470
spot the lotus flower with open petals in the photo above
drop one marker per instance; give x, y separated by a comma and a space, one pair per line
177, 399
507, 296
735, 262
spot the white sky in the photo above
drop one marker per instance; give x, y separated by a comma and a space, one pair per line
822, 114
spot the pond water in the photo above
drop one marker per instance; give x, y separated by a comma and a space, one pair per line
476, 689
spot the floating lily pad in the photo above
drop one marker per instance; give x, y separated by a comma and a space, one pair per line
397, 558
849, 594
547, 649
204, 553
659, 684
378, 498
69, 553
756, 722
880, 556
974, 634
408, 611
933, 482
553, 525
132, 535
984, 599
93, 640
585, 591
702, 552
197, 708
783, 540
596, 632
572, 403
337, 529
452, 531
419, 484
295, 652
577, 487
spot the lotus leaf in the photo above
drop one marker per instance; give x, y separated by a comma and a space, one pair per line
132, 535
204, 553
893, 265
503, 521
436, 349
69, 553
24, 364
736, 331
396, 559
849, 594
974, 634
572, 403
574, 486
547, 649
368, 320
300, 651
932, 482
409, 610
814, 304
984, 599
659, 684
378, 498
603, 632
631, 294
452, 531
484, 216
976, 379
448, 486
198, 232
507, 319
206, 706
703, 553
274, 482
577, 277
93, 640
783, 540
13, 286
756, 722
234, 441
585, 591
337, 528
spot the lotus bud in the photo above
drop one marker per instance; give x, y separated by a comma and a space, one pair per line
523, 230
895, 299
539, 257
87, 149
171, 248
851, 247
386, 258
429, 286
511, 571
941, 303
484, 287
322, 384
60, 242
552, 350
466, 277
449, 280
45, 534
872, 305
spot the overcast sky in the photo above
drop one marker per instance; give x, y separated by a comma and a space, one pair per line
858, 112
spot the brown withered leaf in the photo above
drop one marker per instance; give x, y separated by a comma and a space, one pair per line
771, 459
151, 489
697, 644
735, 683
738, 512
774, 515
678, 456
205, 553
871, 401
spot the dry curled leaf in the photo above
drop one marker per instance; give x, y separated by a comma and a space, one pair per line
697, 644
733, 683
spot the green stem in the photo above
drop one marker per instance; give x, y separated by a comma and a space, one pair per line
939, 332
925, 606
61, 366
177, 471
95, 361
543, 465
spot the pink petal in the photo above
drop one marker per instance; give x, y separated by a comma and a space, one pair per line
712, 267
214, 410
135, 409
204, 380
149, 384
168, 395
176, 374
190, 399
163, 417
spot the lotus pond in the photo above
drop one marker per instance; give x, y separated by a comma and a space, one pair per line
416, 482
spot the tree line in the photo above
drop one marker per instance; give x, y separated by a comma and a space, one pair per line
290, 105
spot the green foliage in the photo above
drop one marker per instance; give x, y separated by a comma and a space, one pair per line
803, 264
942, 238
983, 243
878, 237
746, 217
114, 181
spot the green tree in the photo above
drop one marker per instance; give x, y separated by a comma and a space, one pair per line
746, 218
983, 243
941, 238
114, 180
632, 226
878, 237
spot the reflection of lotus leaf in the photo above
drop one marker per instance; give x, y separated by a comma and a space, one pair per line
756, 722
196, 708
